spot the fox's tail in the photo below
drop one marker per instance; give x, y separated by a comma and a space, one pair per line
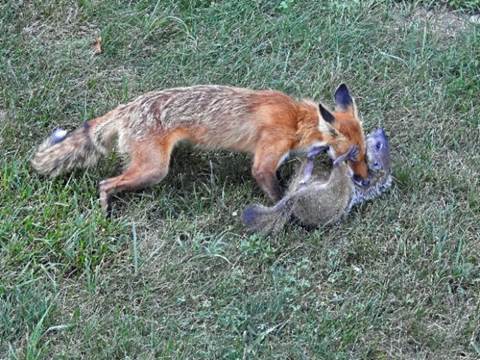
264, 219
62, 151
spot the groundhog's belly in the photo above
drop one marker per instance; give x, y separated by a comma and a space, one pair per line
319, 205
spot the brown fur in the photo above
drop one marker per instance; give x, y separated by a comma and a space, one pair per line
267, 124
320, 201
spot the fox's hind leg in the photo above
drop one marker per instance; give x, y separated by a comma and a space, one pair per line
149, 163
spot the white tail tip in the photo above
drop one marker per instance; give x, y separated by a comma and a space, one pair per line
58, 135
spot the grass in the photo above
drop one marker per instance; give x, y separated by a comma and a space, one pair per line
173, 274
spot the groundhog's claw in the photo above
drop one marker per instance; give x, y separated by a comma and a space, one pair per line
351, 154
315, 151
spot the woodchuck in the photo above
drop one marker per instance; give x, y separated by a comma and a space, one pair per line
316, 197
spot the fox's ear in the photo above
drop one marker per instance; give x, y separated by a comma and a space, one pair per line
343, 100
326, 114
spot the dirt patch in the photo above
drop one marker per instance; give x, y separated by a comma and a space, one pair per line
444, 22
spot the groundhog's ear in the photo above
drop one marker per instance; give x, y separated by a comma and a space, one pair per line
326, 114
343, 100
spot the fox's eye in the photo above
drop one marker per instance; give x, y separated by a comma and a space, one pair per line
378, 145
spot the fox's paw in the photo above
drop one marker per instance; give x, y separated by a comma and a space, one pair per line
104, 198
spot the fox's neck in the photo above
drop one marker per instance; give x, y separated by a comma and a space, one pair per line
309, 127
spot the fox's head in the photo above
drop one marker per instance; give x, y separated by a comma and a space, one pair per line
345, 120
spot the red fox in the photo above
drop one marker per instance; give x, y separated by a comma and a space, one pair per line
266, 123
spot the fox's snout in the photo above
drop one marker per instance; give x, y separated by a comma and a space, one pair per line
360, 168
361, 182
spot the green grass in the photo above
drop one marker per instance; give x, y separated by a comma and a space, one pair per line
173, 274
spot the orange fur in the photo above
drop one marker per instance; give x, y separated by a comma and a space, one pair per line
348, 124
268, 124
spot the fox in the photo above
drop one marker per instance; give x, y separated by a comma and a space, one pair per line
268, 124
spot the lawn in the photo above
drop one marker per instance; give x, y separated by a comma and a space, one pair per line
173, 274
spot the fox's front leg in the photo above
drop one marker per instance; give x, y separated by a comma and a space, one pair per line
267, 158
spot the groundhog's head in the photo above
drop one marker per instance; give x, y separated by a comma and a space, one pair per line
378, 152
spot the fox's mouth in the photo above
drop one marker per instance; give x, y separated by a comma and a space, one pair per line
359, 181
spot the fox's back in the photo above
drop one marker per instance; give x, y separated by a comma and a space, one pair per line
191, 105
215, 115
